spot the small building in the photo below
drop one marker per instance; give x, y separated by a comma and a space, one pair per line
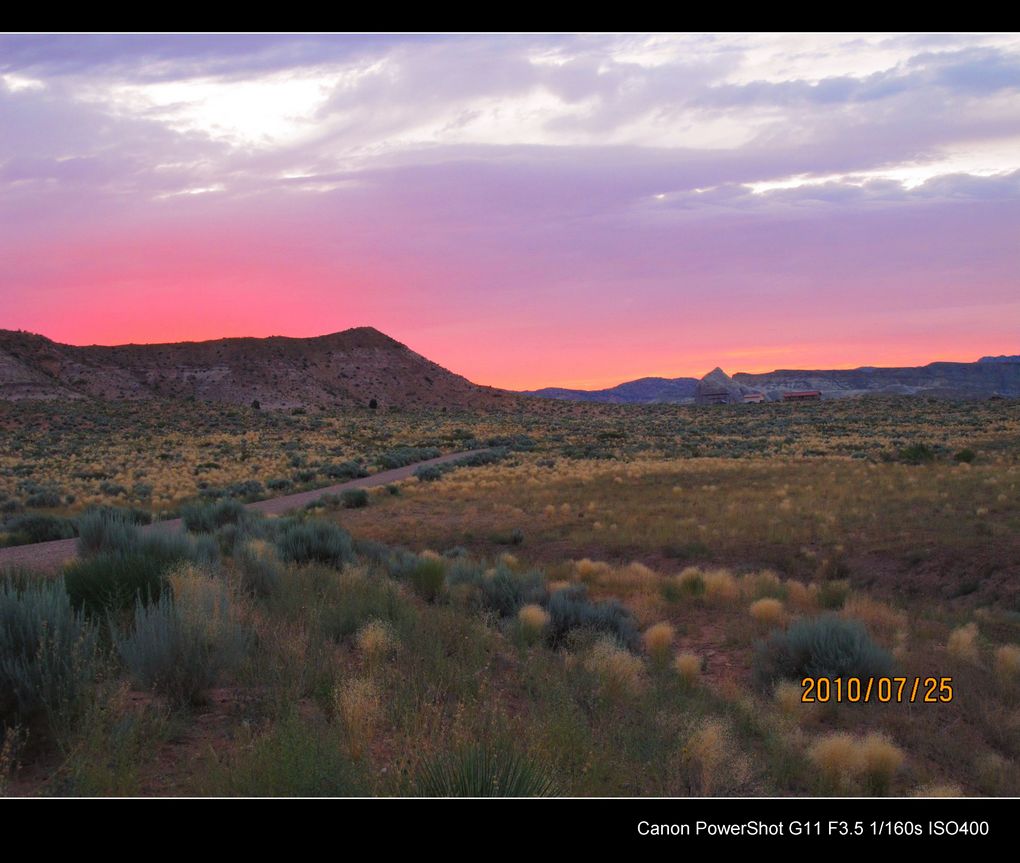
714, 397
802, 396
753, 398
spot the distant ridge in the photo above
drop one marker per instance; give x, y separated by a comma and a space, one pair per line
989, 376
351, 368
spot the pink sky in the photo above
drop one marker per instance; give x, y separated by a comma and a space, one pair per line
526, 211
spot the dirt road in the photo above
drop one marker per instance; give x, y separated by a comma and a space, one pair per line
49, 556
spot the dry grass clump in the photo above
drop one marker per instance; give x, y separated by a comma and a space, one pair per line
533, 620
203, 602
620, 673
880, 618
1007, 662
766, 583
712, 762
938, 791
706, 750
790, 700
837, 759
691, 580
843, 761
880, 761
688, 666
658, 640
591, 571
357, 704
721, 586
801, 596
633, 578
376, 640
768, 611
962, 642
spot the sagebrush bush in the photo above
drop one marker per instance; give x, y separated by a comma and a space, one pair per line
48, 653
27, 529
570, 609
315, 541
483, 771
500, 589
826, 646
180, 644
258, 567
105, 530
405, 455
209, 517
354, 498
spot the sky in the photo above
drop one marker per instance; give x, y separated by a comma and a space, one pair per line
530, 210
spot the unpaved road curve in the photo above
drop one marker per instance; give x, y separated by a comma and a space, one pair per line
48, 556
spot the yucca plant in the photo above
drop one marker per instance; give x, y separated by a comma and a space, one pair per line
483, 771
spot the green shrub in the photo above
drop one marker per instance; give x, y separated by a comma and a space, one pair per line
965, 455
113, 581
27, 529
48, 652
504, 591
315, 541
344, 470
825, 646
428, 577
405, 455
570, 609
483, 771
430, 472
179, 647
44, 499
342, 612
125, 566
105, 530
354, 498
209, 517
260, 573
917, 453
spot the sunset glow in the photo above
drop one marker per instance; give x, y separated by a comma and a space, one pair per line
527, 211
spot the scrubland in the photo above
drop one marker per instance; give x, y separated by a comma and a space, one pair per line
623, 603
